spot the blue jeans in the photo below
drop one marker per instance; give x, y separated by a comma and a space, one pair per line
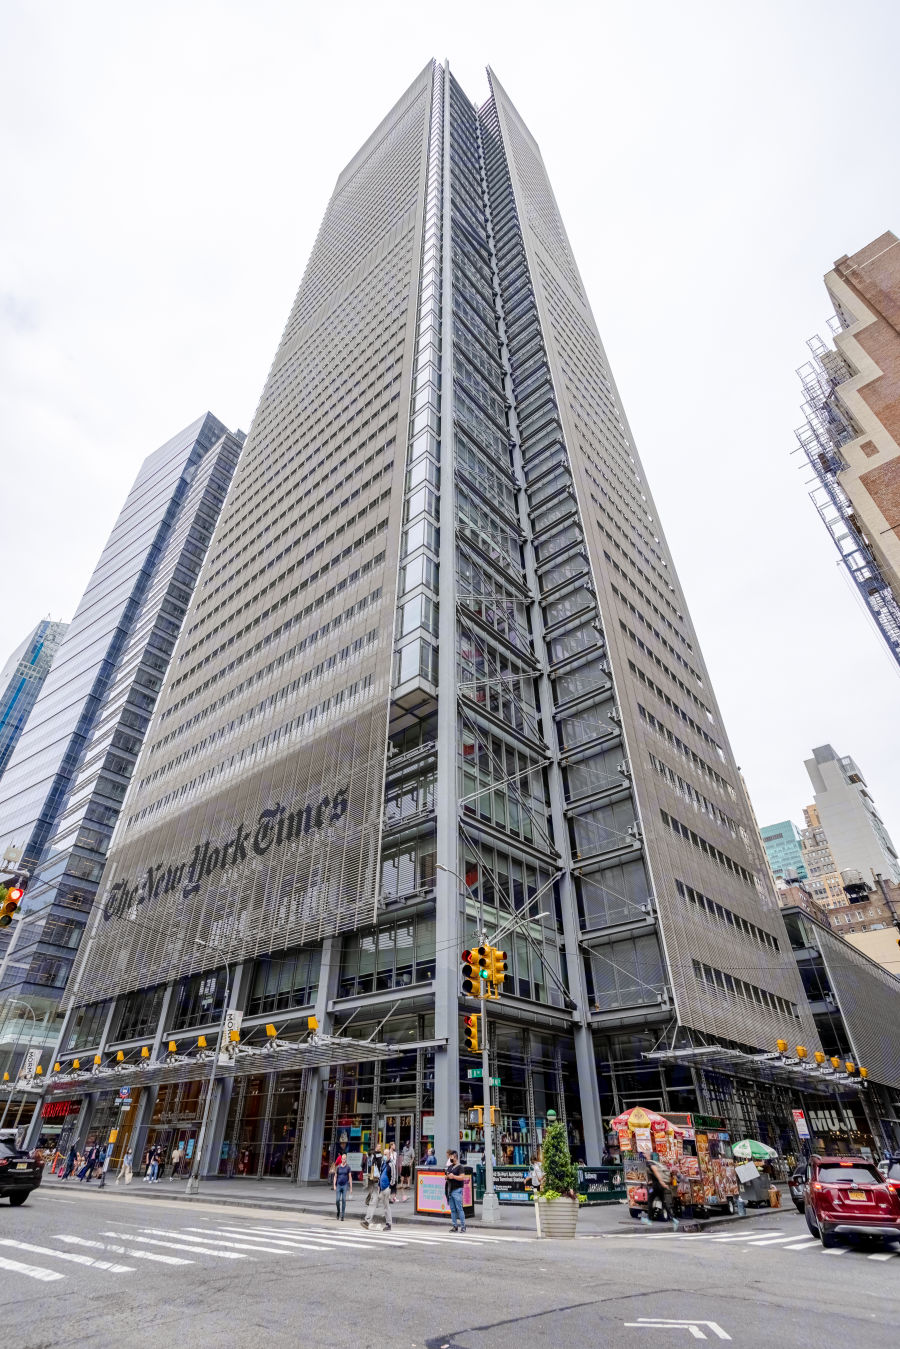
457, 1216
340, 1198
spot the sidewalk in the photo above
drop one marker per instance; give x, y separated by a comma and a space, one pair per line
318, 1200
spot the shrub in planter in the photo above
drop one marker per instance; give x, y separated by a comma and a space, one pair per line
556, 1206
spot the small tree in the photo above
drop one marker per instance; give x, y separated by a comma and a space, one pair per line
560, 1175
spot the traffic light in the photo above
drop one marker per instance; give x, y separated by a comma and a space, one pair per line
476, 1116
471, 1025
10, 899
474, 970
497, 967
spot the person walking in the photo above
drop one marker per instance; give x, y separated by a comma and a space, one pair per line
125, 1171
153, 1170
383, 1199
394, 1164
87, 1166
661, 1189
407, 1157
373, 1175
177, 1154
453, 1185
69, 1164
343, 1184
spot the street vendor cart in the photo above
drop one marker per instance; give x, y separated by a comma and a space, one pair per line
697, 1152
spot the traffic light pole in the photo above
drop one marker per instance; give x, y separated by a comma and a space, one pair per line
490, 1205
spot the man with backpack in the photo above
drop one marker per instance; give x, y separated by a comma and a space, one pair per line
382, 1200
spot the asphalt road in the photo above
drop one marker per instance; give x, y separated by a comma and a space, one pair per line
106, 1269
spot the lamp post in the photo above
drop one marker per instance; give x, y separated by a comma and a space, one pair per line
16, 1002
193, 1181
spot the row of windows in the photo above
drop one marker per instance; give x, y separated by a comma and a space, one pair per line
304, 721
726, 915
266, 706
309, 580
661, 665
709, 850
276, 581
673, 707
311, 639
728, 985
697, 799
691, 755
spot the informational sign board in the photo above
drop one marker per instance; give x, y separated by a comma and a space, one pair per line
430, 1197
512, 1184
800, 1124
601, 1184
747, 1172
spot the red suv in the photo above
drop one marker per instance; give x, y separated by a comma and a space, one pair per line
846, 1196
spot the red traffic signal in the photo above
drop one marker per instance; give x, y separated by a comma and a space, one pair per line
469, 961
10, 899
471, 1025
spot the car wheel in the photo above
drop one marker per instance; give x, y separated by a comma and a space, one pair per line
810, 1221
17, 1199
828, 1239
729, 1206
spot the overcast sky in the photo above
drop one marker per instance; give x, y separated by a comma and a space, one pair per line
165, 168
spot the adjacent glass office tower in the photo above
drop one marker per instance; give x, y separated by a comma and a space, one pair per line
64, 883
438, 673
22, 679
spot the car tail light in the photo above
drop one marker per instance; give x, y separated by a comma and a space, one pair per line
817, 1186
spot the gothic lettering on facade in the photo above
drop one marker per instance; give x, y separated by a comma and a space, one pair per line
274, 827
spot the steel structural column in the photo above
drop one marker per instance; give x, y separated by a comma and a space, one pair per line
585, 1058
314, 1109
446, 990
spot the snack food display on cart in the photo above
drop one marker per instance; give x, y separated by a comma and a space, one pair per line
697, 1151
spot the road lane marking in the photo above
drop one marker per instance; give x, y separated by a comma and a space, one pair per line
841, 1251
67, 1255
889, 1255
124, 1250
184, 1234
31, 1271
176, 1246
286, 1244
803, 1245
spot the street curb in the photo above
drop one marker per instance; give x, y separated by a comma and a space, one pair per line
315, 1210
720, 1220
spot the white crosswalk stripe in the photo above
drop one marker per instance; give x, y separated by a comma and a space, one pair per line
188, 1234
72, 1256
30, 1271
126, 1250
176, 1246
283, 1244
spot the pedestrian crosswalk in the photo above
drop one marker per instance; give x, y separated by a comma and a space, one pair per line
127, 1248
774, 1239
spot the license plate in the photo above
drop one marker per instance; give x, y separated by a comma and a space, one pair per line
21, 1166
857, 1194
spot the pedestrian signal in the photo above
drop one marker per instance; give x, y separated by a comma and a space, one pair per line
476, 1116
471, 1025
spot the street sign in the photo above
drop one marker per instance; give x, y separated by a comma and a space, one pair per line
495, 1081
800, 1124
475, 1072
29, 1063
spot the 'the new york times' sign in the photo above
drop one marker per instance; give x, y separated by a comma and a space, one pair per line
274, 827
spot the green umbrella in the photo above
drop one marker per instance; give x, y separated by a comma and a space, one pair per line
757, 1152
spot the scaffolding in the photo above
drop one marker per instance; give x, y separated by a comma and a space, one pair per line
827, 428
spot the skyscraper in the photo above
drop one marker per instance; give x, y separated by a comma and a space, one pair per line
22, 679
851, 436
40, 770
856, 834
438, 676
784, 847
64, 883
